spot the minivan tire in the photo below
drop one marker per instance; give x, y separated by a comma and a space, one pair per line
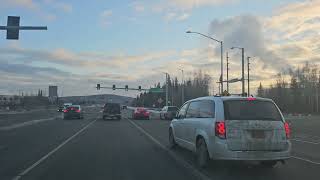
172, 142
202, 155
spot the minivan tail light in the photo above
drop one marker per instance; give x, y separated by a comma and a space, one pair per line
220, 130
287, 129
65, 110
78, 110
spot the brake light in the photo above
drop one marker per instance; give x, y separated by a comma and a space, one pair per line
287, 129
220, 130
78, 110
251, 98
65, 110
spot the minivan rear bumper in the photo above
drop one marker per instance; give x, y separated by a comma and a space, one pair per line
220, 151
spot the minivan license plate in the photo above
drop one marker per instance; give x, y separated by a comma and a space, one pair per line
257, 134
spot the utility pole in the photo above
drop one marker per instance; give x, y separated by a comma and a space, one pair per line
182, 90
221, 45
248, 58
242, 79
227, 72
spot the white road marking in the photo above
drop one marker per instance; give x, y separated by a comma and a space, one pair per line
24, 172
28, 123
176, 158
310, 142
306, 160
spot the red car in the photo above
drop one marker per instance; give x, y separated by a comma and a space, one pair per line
141, 113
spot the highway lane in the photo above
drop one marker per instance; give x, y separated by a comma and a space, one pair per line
119, 150
110, 150
10, 119
21, 147
294, 169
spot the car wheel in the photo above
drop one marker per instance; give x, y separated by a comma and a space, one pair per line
172, 142
268, 164
202, 155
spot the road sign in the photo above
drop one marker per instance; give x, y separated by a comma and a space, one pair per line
156, 90
160, 101
13, 27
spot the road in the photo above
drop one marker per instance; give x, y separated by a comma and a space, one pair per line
129, 149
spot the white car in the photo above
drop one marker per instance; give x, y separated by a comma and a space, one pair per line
232, 128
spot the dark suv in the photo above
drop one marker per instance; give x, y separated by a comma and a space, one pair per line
111, 111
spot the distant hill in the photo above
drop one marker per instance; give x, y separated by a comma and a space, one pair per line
97, 99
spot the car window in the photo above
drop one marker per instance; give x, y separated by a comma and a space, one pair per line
193, 110
182, 111
206, 109
251, 110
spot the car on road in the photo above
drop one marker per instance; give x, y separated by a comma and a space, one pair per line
232, 128
168, 112
60, 109
141, 113
73, 111
111, 111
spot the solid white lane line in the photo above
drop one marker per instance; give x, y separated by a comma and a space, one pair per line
28, 123
196, 172
299, 140
306, 160
24, 172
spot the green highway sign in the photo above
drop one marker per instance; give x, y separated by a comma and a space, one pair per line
156, 90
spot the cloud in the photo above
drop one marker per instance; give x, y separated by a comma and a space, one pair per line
247, 31
190, 4
30, 4
177, 17
105, 17
138, 6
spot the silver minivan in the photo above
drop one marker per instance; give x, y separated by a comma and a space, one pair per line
232, 128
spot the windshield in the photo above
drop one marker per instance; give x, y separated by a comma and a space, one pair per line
150, 89
251, 110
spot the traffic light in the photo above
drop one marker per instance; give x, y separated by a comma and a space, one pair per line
126, 87
98, 86
114, 87
139, 88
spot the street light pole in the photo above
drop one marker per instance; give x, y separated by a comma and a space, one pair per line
221, 48
167, 88
248, 59
242, 50
227, 72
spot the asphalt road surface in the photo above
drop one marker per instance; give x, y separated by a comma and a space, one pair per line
44, 147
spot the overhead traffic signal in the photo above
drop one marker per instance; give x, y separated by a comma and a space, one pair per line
139, 88
114, 87
98, 86
126, 87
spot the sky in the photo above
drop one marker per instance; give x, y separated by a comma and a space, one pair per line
132, 43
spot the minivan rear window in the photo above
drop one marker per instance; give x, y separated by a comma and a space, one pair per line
172, 109
251, 110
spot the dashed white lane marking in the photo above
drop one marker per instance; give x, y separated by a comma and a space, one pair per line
306, 160
196, 172
24, 172
309, 142
28, 123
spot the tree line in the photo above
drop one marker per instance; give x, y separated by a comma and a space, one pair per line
196, 86
295, 90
